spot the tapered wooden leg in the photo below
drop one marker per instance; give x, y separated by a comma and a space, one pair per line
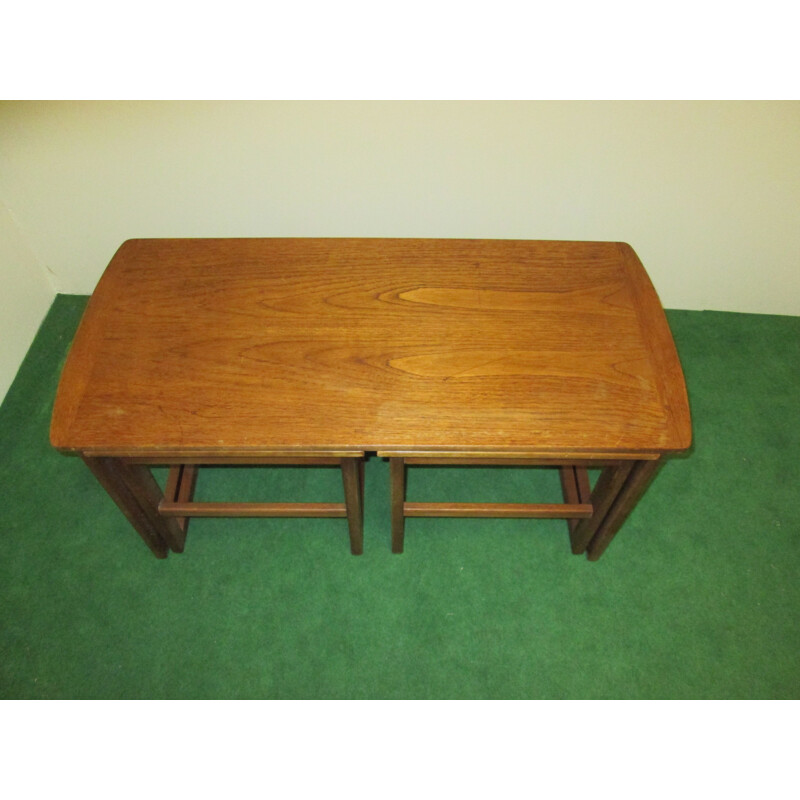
397, 473
352, 477
107, 472
136, 492
143, 486
641, 473
608, 486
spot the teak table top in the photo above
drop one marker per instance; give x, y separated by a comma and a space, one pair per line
237, 346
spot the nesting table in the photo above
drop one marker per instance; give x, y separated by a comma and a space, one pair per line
194, 352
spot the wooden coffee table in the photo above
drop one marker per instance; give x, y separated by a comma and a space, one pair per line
424, 351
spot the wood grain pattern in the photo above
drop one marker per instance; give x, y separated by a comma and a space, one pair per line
227, 346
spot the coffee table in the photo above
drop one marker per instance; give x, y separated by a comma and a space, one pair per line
424, 351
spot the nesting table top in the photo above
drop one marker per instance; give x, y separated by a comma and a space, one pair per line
237, 346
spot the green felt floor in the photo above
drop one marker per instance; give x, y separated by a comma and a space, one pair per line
697, 597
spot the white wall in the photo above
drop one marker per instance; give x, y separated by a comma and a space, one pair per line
25, 297
708, 193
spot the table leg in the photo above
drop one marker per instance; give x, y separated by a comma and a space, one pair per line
639, 479
397, 472
104, 469
135, 491
608, 486
353, 479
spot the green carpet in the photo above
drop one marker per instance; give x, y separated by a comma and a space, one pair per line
697, 597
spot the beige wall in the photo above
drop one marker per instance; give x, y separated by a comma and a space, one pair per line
708, 193
25, 297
